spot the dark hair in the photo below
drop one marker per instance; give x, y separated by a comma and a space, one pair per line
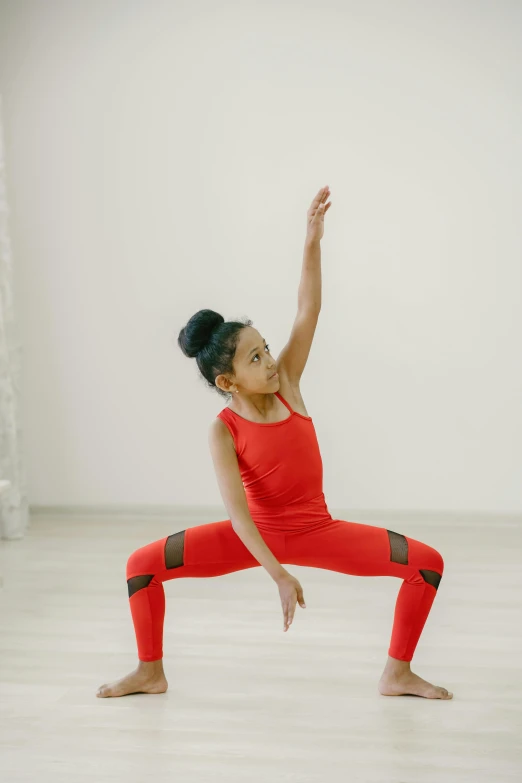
212, 341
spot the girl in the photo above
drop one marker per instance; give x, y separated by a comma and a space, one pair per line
270, 474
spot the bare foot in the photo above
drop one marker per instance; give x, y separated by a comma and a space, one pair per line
136, 682
410, 683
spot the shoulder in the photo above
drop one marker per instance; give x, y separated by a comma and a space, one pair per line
218, 431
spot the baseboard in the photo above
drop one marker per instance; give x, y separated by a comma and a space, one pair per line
200, 514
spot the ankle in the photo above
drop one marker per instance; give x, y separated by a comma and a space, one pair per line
396, 667
151, 668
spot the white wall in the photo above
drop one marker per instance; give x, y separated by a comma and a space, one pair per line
161, 159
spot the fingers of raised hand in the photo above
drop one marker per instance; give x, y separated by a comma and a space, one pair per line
321, 196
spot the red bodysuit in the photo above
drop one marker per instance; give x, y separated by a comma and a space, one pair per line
282, 470
282, 473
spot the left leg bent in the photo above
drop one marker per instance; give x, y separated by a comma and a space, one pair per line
366, 550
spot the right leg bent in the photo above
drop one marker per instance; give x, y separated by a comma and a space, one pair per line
207, 550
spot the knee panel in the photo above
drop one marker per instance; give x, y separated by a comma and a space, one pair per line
136, 583
174, 550
173, 553
399, 554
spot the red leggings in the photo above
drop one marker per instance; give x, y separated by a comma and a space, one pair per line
347, 547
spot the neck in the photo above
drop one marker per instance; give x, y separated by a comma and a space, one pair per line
260, 403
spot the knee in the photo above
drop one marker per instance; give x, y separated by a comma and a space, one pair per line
438, 562
399, 552
432, 559
138, 571
433, 574
136, 563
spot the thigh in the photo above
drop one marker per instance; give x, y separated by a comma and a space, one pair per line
347, 547
212, 549
215, 548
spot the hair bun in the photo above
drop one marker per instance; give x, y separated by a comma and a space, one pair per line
198, 331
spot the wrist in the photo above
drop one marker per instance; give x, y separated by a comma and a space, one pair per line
280, 575
312, 241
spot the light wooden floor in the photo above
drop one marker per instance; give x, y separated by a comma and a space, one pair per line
247, 701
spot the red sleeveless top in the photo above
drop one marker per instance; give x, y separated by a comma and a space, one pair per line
281, 468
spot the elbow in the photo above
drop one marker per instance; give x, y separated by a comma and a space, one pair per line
239, 523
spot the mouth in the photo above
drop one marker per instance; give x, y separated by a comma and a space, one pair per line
275, 375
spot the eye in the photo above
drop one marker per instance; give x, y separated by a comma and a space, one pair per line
256, 354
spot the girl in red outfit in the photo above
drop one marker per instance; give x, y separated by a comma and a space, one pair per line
269, 469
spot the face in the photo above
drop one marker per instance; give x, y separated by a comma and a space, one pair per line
253, 364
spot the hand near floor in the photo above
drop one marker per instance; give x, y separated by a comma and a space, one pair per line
291, 592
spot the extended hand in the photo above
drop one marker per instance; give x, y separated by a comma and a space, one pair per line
315, 215
290, 592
